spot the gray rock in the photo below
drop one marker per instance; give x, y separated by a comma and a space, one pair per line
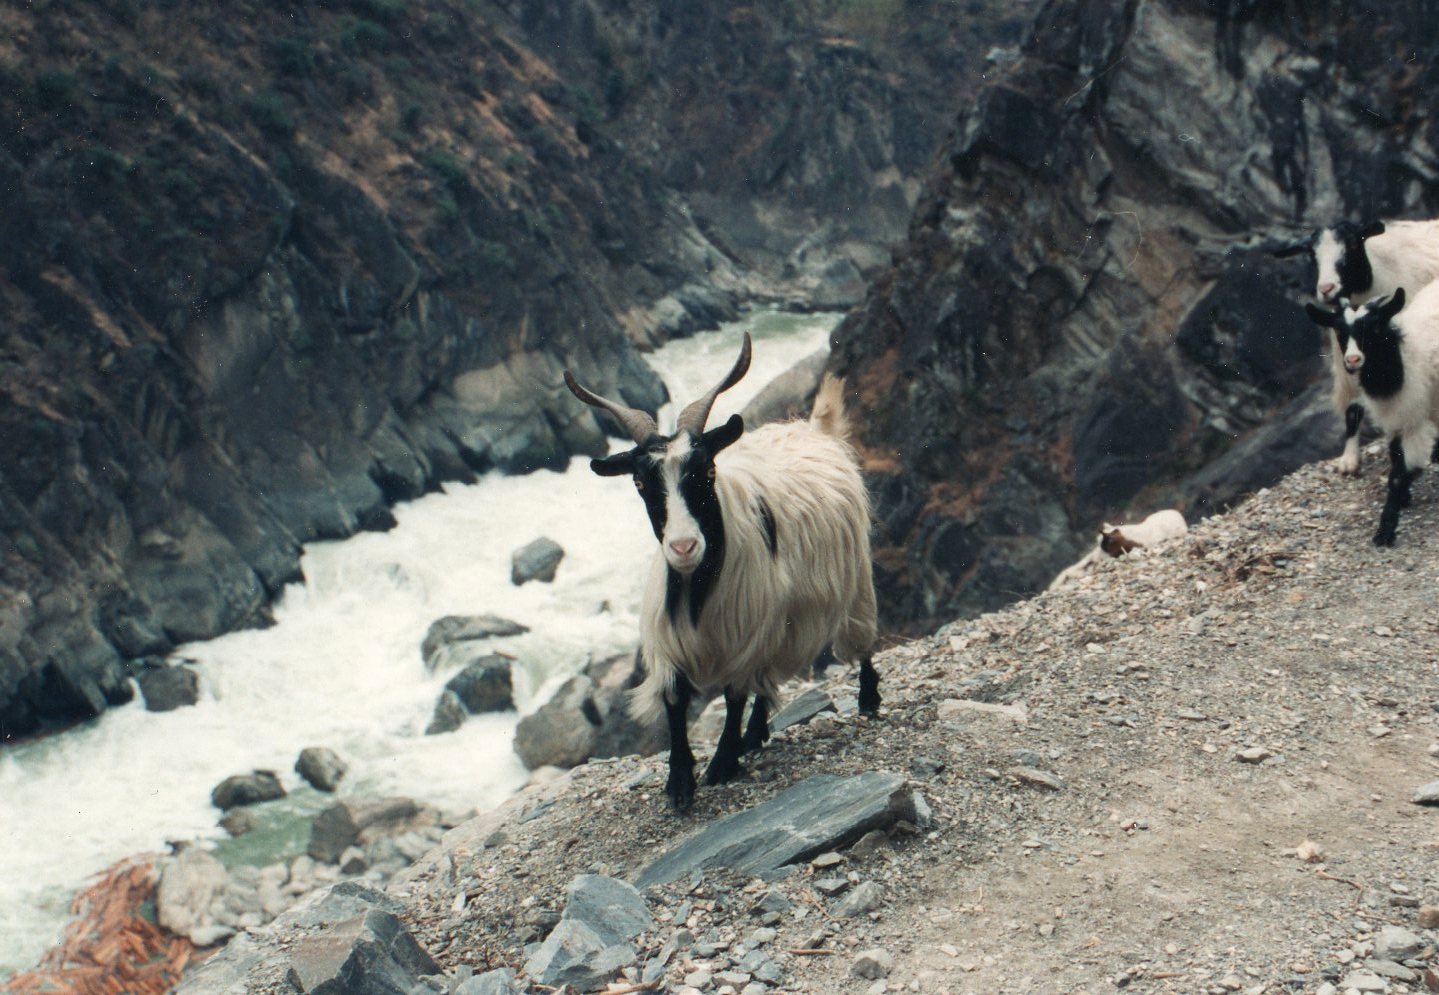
818, 814
450, 634
574, 954
536, 561
1363, 981
1397, 943
874, 963
189, 882
321, 767
247, 789
166, 688
1428, 794
865, 898
789, 395
801, 708
1389, 969
340, 826
500, 982
484, 685
449, 714
238, 821
612, 908
564, 730
371, 954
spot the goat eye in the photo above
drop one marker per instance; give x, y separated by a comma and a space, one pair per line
639, 484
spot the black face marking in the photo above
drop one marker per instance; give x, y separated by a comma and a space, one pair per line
697, 490
1382, 374
767, 524
1356, 275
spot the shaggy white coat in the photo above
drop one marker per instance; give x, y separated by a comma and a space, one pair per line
1159, 526
1412, 413
769, 615
1405, 254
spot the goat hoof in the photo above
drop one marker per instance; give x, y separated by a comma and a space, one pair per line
681, 790
1383, 538
869, 705
723, 772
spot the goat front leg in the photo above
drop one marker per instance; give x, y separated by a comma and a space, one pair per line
1398, 496
1348, 462
681, 784
725, 765
868, 687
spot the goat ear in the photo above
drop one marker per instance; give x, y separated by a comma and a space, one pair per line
614, 466
1371, 228
1328, 319
1392, 306
718, 438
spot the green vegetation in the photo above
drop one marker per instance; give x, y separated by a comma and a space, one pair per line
443, 164
513, 160
295, 56
360, 36
271, 113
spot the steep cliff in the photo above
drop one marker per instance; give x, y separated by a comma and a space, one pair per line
1084, 318
266, 269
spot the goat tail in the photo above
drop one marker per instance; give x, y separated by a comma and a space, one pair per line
828, 415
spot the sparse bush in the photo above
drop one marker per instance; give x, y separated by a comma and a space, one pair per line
271, 113
443, 164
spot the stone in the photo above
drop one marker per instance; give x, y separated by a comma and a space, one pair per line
370, 954
1397, 943
1428, 917
189, 882
574, 954
963, 709
247, 789
238, 821
166, 688
450, 634
865, 898
536, 561
449, 714
563, 731
791, 394
801, 708
499, 982
1389, 969
818, 814
1428, 794
321, 767
340, 826
1253, 755
874, 963
484, 685
1363, 981
1034, 777
614, 909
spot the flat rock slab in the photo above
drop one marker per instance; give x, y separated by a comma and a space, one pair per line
801, 709
614, 909
820, 813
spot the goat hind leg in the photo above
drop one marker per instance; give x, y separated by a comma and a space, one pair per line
680, 787
756, 734
724, 765
869, 699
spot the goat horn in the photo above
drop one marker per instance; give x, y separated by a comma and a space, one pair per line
639, 425
693, 417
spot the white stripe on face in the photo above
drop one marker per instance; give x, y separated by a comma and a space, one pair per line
1327, 253
681, 528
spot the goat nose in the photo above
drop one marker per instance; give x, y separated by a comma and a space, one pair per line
1325, 289
684, 547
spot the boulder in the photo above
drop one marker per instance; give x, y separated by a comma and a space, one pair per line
820, 813
497, 982
247, 789
574, 954
537, 561
346, 823
614, 909
371, 954
238, 821
453, 633
449, 714
166, 688
484, 685
789, 395
321, 767
189, 882
564, 730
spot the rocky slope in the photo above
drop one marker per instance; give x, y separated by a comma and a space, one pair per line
1193, 771
266, 270
1084, 319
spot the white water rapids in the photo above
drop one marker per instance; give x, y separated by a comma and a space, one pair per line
341, 667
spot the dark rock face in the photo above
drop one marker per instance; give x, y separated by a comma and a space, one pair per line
448, 716
238, 323
247, 789
1084, 321
484, 686
166, 688
321, 767
455, 633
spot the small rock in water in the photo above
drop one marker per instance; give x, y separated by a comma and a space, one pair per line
537, 561
252, 788
321, 767
166, 688
238, 821
449, 714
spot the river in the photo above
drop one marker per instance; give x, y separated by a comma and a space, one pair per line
341, 667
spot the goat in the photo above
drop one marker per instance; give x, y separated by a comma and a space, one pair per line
1116, 540
1393, 352
763, 561
1360, 262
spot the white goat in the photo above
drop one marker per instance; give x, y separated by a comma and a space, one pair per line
1116, 540
1361, 262
764, 560
1393, 352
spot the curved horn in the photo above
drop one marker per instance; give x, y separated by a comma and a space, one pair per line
639, 425
693, 417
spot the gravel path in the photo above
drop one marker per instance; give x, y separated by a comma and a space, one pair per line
1201, 782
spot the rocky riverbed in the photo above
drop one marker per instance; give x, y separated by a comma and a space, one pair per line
1198, 770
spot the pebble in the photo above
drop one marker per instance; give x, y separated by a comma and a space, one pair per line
1253, 755
826, 860
1363, 981
1397, 943
875, 962
1429, 916
831, 886
698, 979
1428, 794
863, 899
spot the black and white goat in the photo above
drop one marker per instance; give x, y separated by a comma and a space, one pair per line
1361, 262
763, 561
1393, 352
